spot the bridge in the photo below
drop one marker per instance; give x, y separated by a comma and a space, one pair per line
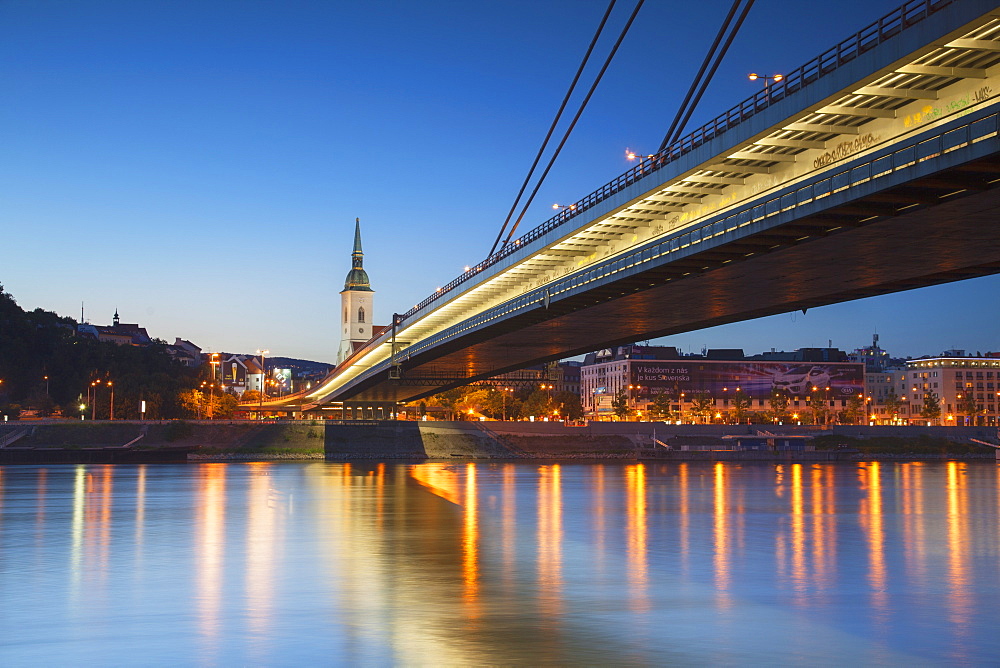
871, 169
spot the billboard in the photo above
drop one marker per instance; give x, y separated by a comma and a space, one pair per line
755, 379
282, 379
233, 373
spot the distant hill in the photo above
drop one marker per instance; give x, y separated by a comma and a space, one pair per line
298, 365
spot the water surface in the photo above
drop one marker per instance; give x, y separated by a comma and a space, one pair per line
471, 563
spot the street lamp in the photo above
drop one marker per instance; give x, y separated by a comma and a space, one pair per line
631, 155
111, 415
504, 395
260, 404
753, 76
548, 393
564, 207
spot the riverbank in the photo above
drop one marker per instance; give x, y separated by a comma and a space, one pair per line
384, 440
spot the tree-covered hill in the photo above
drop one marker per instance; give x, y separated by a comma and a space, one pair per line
39, 344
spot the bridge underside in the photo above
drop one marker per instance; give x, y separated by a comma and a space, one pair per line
929, 231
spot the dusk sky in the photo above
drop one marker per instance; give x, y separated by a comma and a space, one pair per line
199, 165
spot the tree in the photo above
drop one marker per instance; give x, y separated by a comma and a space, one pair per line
818, 406
191, 402
741, 406
537, 404
931, 409
703, 405
447, 400
661, 408
620, 405
855, 411
892, 404
472, 401
225, 406
778, 403
968, 406
568, 404
250, 395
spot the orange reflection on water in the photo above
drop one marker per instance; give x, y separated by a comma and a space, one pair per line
97, 521
638, 567
684, 540
914, 524
509, 522
261, 540
439, 479
211, 545
959, 595
872, 522
470, 542
798, 536
379, 495
823, 528
597, 512
721, 528
550, 538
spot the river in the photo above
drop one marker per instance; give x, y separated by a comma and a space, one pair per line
460, 563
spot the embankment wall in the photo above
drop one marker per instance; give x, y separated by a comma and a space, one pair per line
420, 440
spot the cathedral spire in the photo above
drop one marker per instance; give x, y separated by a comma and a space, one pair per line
357, 278
357, 254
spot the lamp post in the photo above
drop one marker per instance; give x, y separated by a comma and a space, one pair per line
548, 393
504, 395
753, 76
111, 415
260, 404
93, 402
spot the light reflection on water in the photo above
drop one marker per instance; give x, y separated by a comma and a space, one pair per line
471, 563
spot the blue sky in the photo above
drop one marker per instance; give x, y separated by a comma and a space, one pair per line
199, 165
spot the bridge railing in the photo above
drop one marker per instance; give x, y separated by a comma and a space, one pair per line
906, 15
950, 138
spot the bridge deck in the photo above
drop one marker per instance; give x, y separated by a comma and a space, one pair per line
849, 155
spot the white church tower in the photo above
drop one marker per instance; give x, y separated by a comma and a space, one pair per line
356, 302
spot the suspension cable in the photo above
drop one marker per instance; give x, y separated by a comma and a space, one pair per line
711, 72
555, 121
576, 118
701, 71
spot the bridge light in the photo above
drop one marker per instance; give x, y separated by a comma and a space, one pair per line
466, 267
753, 76
778, 77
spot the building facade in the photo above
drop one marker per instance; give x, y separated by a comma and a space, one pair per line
966, 390
706, 389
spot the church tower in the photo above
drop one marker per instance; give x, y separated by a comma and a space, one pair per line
356, 302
